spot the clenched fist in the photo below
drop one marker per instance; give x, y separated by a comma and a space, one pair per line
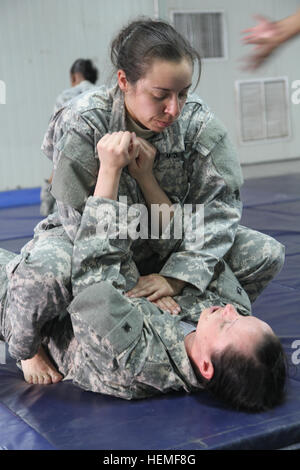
117, 150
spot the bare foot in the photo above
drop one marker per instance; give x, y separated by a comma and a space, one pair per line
40, 370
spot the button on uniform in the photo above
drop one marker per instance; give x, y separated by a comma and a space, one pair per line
126, 327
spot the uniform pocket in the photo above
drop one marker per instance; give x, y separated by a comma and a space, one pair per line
126, 332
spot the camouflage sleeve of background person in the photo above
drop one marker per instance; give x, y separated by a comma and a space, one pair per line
67, 95
128, 347
215, 178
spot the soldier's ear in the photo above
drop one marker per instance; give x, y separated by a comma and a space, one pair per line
122, 80
72, 79
206, 368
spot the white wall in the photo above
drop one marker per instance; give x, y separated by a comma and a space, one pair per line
40, 39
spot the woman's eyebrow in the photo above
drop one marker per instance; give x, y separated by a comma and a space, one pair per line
168, 89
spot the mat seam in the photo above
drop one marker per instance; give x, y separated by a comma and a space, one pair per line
27, 424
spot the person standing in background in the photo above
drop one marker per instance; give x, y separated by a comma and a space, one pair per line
83, 76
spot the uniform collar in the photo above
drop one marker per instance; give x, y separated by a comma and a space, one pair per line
174, 344
170, 140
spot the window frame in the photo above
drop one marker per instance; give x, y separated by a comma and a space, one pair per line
224, 25
262, 81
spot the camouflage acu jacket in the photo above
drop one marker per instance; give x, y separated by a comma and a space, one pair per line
195, 164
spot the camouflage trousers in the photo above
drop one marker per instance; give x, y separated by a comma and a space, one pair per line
255, 259
38, 291
39, 284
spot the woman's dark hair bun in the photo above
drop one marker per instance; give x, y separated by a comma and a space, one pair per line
86, 68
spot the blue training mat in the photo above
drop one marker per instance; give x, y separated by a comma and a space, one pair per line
62, 416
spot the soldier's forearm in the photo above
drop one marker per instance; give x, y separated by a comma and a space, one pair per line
155, 198
108, 183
